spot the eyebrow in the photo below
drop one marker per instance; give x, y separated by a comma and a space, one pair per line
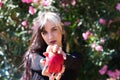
54, 27
43, 29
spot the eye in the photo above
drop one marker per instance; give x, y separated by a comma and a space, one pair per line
54, 29
44, 32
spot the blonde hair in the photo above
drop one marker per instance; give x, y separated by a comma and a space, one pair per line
43, 17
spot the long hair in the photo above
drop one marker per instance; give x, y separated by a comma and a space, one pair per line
37, 44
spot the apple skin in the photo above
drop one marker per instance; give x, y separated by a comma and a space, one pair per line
54, 61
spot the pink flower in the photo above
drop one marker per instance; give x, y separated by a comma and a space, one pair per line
111, 74
32, 27
109, 23
103, 70
102, 21
118, 32
63, 4
31, 10
117, 72
93, 45
86, 35
35, 1
73, 2
67, 23
102, 40
118, 6
0, 3
24, 1
27, 1
44, 3
24, 23
98, 48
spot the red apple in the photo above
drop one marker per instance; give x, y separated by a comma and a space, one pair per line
54, 61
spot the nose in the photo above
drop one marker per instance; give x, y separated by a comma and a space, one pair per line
50, 36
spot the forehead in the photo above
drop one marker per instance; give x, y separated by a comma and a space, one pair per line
49, 24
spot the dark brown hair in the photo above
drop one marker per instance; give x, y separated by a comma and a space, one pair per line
37, 44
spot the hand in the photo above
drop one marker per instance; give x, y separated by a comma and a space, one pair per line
56, 49
53, 76
59, 75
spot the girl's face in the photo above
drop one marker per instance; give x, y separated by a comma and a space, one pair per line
52, 34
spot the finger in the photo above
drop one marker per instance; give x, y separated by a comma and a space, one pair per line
49, 48
55, 48
64, 55
59, 50
58, 76
63, 69
45, 71
52, 76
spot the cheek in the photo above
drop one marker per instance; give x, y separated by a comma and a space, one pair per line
59, 37
44, 38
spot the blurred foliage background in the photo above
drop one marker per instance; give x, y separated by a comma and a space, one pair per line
92, 27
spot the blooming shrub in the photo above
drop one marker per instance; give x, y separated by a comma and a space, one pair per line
93, 33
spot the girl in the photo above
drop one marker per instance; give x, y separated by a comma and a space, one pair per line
48, 33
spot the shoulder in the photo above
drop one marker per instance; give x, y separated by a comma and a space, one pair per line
73, 61
73, 55
35, 61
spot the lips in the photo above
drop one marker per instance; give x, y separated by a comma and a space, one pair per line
53, 42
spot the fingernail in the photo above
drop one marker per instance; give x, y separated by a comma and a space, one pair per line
59, 50
54, 50
61, 74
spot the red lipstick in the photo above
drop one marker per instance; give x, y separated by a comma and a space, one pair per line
53, 42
